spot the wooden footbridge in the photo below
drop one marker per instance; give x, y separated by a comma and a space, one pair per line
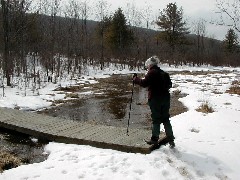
68, 131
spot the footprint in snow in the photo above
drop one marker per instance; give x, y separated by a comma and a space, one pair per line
81, 176
49, 167
165, 173
114, 169
91, 165
64, 172
194, 130
36, 176
139, 171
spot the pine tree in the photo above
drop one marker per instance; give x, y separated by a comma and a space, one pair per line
230, 42
172, 25
119, 36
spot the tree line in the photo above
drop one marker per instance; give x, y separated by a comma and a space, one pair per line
54, 38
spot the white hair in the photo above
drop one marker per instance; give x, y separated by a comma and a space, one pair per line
152, 61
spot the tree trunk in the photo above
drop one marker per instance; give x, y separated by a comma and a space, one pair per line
6, 54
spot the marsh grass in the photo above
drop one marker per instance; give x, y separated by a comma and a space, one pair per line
71, 95
205, 108
8, 161
235, 88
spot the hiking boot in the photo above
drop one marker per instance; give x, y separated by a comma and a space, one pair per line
152, 141
170, 140
171, 144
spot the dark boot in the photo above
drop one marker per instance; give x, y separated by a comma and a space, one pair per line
171, 144
170, 140
152, 141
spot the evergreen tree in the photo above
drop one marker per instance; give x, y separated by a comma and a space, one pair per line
230, 42
119, 36
172, 25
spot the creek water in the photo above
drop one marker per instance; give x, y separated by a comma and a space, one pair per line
109, 104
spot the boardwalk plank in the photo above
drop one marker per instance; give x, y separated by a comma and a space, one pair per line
68, 131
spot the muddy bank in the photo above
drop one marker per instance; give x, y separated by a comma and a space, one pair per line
17, 148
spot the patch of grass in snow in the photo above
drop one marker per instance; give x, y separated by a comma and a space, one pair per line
205, 108
235, 88
8, 161
177, 92
69, 89
71, 95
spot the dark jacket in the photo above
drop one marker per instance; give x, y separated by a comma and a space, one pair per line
155, 82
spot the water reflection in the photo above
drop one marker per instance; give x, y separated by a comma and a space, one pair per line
118, 107
109, 104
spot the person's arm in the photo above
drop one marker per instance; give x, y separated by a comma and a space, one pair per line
144, 82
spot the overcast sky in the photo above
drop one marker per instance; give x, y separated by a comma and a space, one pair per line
194, 10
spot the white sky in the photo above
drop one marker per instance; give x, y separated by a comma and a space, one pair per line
193, 11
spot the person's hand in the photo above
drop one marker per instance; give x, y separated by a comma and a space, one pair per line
134, 76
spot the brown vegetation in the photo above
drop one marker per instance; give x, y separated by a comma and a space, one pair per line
205, 108
8, 161
235, 88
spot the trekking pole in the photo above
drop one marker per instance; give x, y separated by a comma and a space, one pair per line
130, 106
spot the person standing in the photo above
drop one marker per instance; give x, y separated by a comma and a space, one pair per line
158, 83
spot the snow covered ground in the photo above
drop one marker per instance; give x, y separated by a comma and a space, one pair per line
207, 144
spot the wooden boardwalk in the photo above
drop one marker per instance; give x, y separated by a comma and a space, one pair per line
68, 131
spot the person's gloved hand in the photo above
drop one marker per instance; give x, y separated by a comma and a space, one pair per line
134, 75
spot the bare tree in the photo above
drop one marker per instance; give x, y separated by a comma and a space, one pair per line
14, 23
199, 28
146, 16
55, 6
6, 31
102, 8
72, 14
231, 8
52, 9
84, 12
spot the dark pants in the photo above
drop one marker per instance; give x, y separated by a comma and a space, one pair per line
160, 114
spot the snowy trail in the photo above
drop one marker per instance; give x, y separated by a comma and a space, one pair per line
83, 162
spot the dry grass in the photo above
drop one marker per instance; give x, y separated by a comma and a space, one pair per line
194, 130
8, 161
176, 92
69, 89
71, 95
235, 88
205, 108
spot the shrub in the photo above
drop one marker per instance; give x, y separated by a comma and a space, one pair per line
205, 108
8, 161
235, 88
